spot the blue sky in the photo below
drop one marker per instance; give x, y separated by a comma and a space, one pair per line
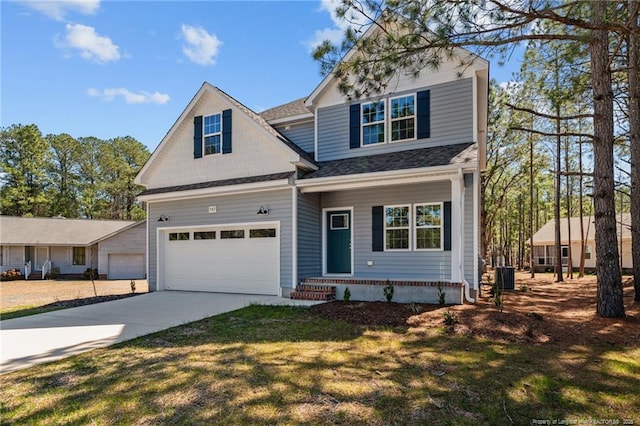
116, 68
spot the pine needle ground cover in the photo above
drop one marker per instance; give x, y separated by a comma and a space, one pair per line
286, 365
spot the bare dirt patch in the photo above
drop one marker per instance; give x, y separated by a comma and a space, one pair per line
547, 312
15, 294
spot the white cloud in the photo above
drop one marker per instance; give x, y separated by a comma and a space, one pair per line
353, 19
200, 46
91, 45
58, 9
335, 35
141, 97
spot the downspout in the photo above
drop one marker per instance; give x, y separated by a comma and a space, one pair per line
467, 293
467, 290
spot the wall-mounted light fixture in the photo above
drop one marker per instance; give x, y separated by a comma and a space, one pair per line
163, 218
263, 211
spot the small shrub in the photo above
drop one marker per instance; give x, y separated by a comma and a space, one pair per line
388, 291
450, 319
91, 274
55, 273
347, 295
524, 288
133, 286
414, 308
441, 295
11, 275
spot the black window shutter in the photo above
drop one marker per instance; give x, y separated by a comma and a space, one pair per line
197, 137
447, 225
226, 131
424, 114
377, 228
354, 126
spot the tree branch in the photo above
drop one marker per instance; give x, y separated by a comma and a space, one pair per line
538, 132
552, 117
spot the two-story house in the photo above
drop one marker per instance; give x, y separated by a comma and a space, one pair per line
324, 192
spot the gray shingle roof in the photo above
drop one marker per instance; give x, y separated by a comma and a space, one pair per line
290, 109
217, 183
412, 159
57, 231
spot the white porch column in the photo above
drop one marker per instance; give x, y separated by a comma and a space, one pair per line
457, 227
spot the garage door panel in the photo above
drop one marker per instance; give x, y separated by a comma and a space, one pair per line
234, 265
126, 266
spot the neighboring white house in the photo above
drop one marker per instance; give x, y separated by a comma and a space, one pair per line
544, 243
68, 247
324, 192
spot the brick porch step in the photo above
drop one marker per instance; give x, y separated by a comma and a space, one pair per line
314, 292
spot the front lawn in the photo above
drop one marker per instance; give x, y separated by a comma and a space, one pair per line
286, 365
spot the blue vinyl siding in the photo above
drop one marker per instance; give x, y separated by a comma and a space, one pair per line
235, 209
309, 236
301, 134
451, 123
433, 265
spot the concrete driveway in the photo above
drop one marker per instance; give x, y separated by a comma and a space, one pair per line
46, 337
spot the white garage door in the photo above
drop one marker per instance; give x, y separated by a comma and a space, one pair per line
126, 266
236, 259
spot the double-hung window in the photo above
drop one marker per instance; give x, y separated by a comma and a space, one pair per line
403, 118
414, 227
79, 256
397, 222
373, 123
399, 122
212, 134
428, 226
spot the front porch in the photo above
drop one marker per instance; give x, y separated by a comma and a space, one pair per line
405, 291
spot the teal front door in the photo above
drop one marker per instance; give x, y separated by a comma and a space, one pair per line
338, 242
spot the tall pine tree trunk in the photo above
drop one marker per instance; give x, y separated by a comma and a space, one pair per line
531, 259
569, 212
634, 136
556, 208
609, 294
583, 246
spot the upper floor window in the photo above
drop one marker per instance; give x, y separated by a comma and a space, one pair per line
400, 121
373, 123
403, 118
394, 119
212, 134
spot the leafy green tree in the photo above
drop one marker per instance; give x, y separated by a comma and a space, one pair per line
92, 199
24, 160
64, 175
121, 159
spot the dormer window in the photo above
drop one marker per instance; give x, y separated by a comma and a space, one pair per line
212, 134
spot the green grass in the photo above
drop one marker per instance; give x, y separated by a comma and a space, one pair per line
284, 365
23, 311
